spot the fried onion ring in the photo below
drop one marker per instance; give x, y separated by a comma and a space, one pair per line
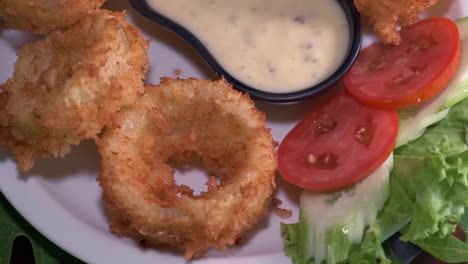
66, 87
176, 121
43, 16
385, 16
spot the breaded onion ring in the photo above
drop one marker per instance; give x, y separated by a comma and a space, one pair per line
181, 120
385, 16
43, 16
66, 87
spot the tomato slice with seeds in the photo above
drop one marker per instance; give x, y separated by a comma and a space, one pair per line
390, 77
337, 145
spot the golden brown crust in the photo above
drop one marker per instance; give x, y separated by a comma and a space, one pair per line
43, 16
281, 212
176, 121
66, 87
385, 16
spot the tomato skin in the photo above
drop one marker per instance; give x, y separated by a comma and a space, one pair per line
332, 131
391, 77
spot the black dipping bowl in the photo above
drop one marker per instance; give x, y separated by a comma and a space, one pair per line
355, 45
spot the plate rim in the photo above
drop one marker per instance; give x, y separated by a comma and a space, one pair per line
91, 251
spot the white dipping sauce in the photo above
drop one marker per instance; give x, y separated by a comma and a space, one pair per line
272, 45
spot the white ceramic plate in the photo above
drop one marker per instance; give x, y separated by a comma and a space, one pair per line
61, 198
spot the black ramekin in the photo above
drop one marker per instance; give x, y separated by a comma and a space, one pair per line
355, 45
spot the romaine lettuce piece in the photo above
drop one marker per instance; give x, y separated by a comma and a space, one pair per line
428, 190
330, 223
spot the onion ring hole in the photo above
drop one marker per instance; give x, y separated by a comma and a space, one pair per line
193, 178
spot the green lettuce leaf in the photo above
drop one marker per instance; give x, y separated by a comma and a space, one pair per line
338, 245
337, 250
13, 225
290, 234
449, 248
431, 176
428, 190
370, 250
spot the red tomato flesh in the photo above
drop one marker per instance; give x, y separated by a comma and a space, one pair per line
390, 77
337, 145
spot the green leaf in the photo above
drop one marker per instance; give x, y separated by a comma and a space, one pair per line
433, 173
13, 225
338, 245
428, 194
428, 190
450, 249
290, 235
370, 250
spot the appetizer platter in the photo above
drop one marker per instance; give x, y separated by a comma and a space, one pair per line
121, 145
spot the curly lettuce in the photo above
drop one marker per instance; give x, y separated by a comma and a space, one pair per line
429, 191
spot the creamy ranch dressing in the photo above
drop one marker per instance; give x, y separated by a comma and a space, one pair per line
273, 45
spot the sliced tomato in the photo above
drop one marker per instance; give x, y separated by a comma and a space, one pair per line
337, 145
390, 77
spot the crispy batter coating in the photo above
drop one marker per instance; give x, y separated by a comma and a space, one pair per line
180, 121
43, 16
386, 15
66, 87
